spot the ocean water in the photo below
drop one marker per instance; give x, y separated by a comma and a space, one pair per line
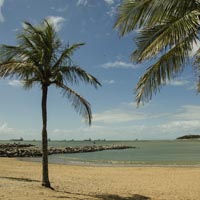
177, 152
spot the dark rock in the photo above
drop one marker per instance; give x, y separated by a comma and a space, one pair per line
27, 150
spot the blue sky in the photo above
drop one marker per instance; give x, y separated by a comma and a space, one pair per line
171, 113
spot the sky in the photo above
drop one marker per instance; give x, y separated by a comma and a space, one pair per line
173, 112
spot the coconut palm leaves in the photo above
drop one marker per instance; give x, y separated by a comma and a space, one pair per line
40, 58
168, 30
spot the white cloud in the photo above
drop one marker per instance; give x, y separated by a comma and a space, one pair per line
15, 30
112, 12
185, 121
109, 81
188, 112
109, 2
148, 123
1, 2
82, 2
4, 128
15, 83
113, 9
56, 21
112, 117
119, 115
127, 122
1, 15
178, 82
7, 132
118, 64
193, 87
61, 131
184, 125
61, 9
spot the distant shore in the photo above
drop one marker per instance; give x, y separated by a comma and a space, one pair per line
20, 180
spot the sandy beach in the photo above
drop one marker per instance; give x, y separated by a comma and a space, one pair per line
20, 180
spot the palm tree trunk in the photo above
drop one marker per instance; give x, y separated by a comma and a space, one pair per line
45, 173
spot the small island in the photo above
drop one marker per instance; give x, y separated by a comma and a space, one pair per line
187, 137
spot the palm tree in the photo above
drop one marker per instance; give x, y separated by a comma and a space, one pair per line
40, 58
168, 29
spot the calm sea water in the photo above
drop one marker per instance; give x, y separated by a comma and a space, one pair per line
146, 153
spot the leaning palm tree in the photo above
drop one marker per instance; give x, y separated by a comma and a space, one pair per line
40, 58
168, 29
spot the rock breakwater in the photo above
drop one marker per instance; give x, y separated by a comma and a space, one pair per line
28, 150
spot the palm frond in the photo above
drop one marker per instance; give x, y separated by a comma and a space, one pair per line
136, 14
152, 41
132, 14
28, 83
168, 30
17, 68
40, 58
196, 65
43, 37
78, 102
66, 55
73, 73
166, 68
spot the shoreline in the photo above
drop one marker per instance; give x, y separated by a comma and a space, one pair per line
20, 180
94, 164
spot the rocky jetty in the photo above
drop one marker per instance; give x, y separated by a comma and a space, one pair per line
15, 145
28, 150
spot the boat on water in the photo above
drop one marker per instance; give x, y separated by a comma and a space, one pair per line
18, 140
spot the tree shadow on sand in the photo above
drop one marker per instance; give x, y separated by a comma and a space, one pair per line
67, 195
19, 179
117, 197
81, 196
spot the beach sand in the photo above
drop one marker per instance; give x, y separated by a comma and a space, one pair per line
20, 180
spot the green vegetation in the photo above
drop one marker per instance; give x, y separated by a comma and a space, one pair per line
41, 58
167, 31
189, 137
